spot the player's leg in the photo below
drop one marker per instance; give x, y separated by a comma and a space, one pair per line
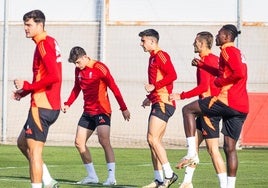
157, 127
231, 160
35, 131
189, 170
232, 126
22, 144
82, 135
190, 111
152, 136
35, 149
103, 129
160, 113
104, 140
217, 160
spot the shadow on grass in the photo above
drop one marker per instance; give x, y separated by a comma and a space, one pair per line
16, 178
64, 182
68, 182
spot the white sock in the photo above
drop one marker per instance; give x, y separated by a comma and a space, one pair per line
231, 182
46, 178
90, 170
111, 171
158, 175
167, 170
222, 179
36, 185
191, 146
188, 174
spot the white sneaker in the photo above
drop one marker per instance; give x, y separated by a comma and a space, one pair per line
52, 184
88, 180
109, 182
154, 184
186, 185
186, 161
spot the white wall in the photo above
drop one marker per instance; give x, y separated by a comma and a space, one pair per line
204, 11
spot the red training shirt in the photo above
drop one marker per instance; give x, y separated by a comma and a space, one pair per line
205, 81
47, 74
93, 82
161, 74
232, 78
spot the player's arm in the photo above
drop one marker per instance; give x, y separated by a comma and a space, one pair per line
207, 67
19, 93
109, 80
49, 58
167, 68
75, 91
203, 85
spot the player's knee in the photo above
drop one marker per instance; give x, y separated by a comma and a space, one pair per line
104, 142
152, 141
78, 144
21, 145
228, 149
213, 152
184, 110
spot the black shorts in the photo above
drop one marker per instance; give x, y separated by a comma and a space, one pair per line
208, 126
38, 122
162, 111
232, 120
91, 122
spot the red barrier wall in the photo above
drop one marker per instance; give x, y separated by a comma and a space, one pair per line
255, 128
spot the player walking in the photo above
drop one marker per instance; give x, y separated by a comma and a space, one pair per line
161, 75
93, 78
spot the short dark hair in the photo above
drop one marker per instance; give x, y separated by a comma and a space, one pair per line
232, 30
75, 53
150, 33
37, 15
207, 36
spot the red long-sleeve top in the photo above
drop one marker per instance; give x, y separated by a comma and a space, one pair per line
161, 74
205, 81
93, 81
47, 74
232, 78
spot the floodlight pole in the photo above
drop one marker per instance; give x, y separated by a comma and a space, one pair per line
4, 73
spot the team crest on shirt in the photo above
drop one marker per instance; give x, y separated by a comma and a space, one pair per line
79, 77
90, 74
58, 54
152, 60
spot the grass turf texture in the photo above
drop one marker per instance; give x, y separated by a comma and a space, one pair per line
133, 167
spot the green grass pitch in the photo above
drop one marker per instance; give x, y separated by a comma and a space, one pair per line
133, 167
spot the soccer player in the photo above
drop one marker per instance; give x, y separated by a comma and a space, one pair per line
45, 97
205, 87
231, 103
161, 75
93, 77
